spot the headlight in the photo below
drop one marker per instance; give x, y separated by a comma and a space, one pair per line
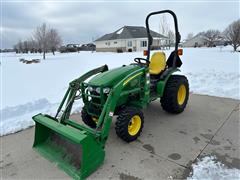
90, 89
98, 89
106, 90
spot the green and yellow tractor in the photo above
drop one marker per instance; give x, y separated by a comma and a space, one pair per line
78, 149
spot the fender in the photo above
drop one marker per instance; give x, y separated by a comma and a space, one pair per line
162, 83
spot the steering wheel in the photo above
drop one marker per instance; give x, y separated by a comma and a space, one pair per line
139, 60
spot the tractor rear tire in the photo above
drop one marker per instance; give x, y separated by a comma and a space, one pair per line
176, 94
129, 124
87, 119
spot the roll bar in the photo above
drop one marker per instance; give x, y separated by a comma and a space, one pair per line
177, 34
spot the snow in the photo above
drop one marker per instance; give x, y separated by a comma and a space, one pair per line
28, 89
208, 168
120, 31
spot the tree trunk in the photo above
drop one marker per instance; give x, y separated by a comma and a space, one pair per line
235, 47
44, 54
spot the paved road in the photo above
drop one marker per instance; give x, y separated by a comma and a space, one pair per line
165, 150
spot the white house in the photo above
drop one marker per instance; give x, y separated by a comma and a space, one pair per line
129, 38
201, 41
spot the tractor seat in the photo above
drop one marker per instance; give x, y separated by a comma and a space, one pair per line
157, 63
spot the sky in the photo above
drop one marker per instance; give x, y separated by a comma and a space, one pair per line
84, 21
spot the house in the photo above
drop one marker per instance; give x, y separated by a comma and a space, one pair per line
197, 41
201, 41
6, 50
129, 38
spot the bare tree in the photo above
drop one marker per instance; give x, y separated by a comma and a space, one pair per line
20, 46
164, 29
43, 40
232, 34
15, 47
41, 36
190, 36
171, 37
54, 40
211, 36
164, 26
25, 46
32, 45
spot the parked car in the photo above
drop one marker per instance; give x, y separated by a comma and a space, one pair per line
70, 48
88, 47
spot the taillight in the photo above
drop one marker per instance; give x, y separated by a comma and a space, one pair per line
180, 52
145, 52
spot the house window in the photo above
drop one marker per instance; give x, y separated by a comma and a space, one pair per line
129, 43
115, 42
143, 43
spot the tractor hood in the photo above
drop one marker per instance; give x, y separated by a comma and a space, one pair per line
113, 76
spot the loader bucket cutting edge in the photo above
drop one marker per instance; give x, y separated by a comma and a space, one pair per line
74, 151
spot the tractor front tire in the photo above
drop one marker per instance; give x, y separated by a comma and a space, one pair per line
87, 119
176, 94
129, 124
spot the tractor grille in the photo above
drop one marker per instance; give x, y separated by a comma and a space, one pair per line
94, 101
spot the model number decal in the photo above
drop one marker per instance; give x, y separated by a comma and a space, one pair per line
129, 79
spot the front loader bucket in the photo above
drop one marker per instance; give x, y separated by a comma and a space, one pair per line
75, 151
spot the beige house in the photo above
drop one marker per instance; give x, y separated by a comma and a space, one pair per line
197, 41
201, 41
129, 38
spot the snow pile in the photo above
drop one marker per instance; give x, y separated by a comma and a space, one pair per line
28, 89
210, 169
215, 83
20, 117
19, 110
212, 72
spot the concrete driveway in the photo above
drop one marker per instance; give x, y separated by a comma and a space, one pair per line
166, 149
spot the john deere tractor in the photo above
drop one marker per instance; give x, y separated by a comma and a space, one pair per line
123, 92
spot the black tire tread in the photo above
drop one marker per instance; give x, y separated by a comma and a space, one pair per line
169, 100
87, 119
122, 122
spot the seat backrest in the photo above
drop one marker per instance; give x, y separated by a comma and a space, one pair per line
157, 63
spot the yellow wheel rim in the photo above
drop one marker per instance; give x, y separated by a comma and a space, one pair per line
181, 94
134, 125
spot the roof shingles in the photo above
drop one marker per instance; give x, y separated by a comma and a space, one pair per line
129, 32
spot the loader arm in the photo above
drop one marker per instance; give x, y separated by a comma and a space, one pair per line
74, 86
